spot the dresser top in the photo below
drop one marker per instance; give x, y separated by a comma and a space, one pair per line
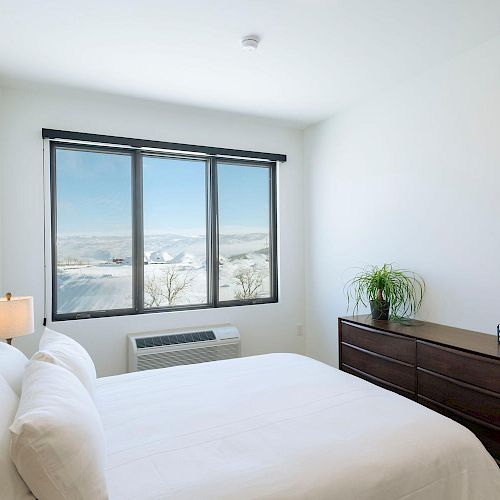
467, 340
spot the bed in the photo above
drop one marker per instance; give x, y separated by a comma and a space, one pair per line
281, 426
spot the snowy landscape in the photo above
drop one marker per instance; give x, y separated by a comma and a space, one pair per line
95, 272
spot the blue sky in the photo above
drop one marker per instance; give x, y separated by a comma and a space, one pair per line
94, 195
243, 198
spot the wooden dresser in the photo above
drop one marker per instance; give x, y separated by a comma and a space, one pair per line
452, 371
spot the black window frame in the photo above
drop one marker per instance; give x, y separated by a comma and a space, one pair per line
212, 234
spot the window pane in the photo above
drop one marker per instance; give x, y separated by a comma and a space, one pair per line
175, 234
244, 232
94, 231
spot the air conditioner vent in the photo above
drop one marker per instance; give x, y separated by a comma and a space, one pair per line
180, 338
151, 350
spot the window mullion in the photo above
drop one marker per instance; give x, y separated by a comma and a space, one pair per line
53, 231
138, 233
273, 226
213, 276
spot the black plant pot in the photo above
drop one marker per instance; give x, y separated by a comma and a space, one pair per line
380, 309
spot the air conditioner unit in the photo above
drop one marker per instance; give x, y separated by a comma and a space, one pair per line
162, 349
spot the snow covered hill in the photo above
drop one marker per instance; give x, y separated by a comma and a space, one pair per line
95, 272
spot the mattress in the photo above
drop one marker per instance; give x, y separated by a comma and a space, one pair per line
281, 426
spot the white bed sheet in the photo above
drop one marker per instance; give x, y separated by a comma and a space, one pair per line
281, 426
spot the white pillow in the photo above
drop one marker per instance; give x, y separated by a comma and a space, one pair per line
58, 442
61, 350
12, 365
12, 485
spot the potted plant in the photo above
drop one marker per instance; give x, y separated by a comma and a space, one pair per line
392, 293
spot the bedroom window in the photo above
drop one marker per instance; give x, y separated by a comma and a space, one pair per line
175, 232
137, 230
244, 237
93, 218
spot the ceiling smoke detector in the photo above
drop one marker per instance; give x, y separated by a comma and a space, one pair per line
250, 42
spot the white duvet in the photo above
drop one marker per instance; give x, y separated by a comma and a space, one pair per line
281, 426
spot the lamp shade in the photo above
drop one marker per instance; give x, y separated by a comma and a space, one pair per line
16, 317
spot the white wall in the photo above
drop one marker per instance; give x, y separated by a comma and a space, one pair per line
411, 177
264, 328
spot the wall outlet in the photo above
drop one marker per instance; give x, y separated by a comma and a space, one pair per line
300, 330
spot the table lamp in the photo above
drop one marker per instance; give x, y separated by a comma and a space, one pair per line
16, 317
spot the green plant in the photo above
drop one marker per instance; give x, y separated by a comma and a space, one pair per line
403, 289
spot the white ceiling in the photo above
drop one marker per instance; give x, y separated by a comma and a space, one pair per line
315, 57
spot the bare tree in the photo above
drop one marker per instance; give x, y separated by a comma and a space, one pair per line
249, 282
153, 293
167, 287
174, 283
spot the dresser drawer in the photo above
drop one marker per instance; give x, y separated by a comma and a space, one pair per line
381, 383
395, 372
481, 404
388, 344
475, 370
